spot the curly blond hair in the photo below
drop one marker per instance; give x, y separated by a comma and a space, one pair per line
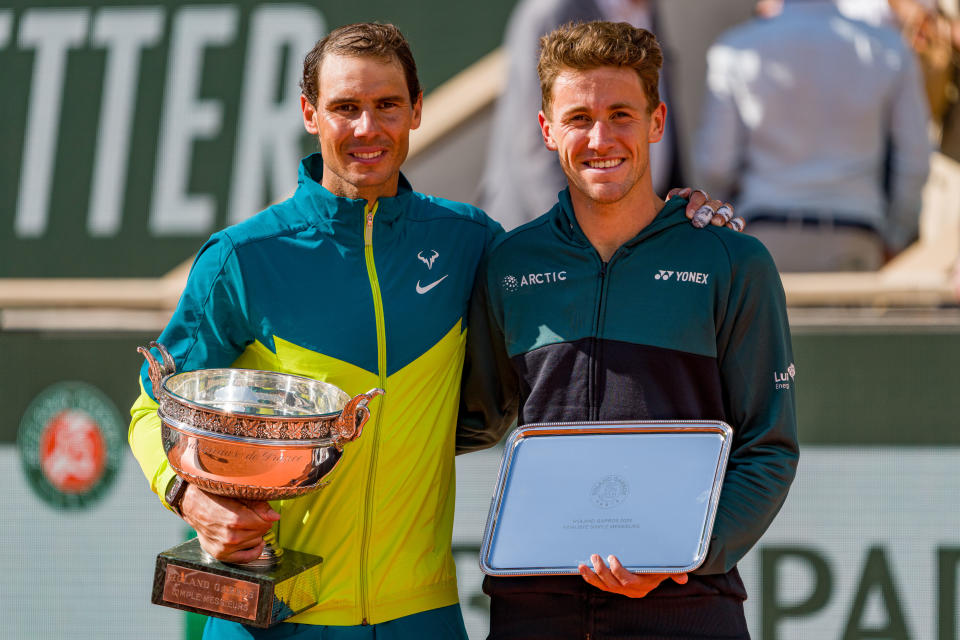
590, 45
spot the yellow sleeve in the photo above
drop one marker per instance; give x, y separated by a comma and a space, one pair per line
144, 439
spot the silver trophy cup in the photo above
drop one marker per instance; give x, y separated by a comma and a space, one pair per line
248, 435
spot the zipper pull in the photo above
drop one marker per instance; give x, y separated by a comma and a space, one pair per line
368, 228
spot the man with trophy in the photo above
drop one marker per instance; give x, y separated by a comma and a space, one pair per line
610, 307
360, 282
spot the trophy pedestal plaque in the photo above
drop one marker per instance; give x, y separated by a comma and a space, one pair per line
188, 578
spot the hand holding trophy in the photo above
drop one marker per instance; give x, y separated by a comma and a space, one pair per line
252, 436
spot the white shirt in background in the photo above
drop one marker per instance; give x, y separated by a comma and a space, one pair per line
799, 112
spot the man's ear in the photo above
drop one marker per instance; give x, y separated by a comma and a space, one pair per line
309, 116
546, 128
417, 111
658, 121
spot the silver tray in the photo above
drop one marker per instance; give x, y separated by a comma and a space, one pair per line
644, 491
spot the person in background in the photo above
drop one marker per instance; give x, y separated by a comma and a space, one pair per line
816, 127
521, 179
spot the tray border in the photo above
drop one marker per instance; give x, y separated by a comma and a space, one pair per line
599, 427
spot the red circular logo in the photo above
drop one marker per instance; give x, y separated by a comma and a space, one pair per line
73, 454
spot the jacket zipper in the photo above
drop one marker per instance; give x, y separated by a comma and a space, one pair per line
381, 369
594, 375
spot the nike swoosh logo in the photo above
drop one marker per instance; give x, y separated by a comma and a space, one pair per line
422, 290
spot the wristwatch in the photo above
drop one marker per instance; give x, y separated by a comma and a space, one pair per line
175, 492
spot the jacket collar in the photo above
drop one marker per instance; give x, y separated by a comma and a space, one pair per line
336, 208
564, 221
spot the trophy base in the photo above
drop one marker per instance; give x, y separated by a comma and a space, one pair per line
188, 578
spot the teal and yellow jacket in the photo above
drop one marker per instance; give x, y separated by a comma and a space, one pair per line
680, 323
328, 288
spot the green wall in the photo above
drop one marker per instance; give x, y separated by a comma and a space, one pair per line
893, 387
896, 387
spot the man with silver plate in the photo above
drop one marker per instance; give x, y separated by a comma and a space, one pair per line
361, 282
611, 307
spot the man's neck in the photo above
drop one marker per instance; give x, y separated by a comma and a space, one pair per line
608, 226
371, 194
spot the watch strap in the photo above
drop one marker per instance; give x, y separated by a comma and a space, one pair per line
174, 494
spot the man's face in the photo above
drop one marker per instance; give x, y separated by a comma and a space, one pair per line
363, 119
601, 128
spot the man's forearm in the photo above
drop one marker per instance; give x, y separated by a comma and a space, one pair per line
147, 447
753, 493
489, 396
754, 346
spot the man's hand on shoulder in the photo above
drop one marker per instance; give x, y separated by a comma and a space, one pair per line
616, 579
228, 529
701, 210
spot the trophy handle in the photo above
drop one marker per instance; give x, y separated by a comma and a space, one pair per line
158, 371
349, 423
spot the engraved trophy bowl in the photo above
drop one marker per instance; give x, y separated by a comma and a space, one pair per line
250, 435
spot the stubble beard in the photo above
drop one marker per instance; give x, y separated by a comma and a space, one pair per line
595, 191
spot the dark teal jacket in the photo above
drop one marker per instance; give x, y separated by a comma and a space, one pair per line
680, 324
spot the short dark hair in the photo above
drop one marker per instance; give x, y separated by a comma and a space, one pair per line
382, 41
591, 45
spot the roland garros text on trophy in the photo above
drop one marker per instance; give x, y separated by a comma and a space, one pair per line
248, 435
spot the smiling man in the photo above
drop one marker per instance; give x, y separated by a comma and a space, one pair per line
359, 281
652, 320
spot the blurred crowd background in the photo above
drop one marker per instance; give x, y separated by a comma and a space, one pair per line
131, 130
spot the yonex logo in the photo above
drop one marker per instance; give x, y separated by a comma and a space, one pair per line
682, 276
